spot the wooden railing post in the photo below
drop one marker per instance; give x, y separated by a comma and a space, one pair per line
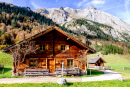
46, 63
62, 68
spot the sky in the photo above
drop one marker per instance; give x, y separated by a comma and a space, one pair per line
118, 8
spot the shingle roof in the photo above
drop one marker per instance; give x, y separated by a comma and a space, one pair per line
95, 59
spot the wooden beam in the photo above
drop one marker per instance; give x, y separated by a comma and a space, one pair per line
73, 62
54, 64
46, 63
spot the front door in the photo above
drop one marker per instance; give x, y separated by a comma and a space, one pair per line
50, 65
98, 64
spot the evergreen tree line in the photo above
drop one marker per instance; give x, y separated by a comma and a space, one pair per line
108, 48
26, 12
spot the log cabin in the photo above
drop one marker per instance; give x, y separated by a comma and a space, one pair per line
55, 47
96, 61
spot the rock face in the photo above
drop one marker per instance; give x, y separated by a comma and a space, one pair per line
68, 15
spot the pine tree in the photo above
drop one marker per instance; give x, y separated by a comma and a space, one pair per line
13, 23
3, 31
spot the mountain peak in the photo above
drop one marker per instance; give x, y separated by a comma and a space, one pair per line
91, 7
61, 8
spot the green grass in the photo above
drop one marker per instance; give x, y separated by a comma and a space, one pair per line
7, 73
117, 62
6, 59
112, 83
93, 73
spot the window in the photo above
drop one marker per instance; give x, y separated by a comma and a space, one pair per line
42, 47
33, 63
62, 47
69, 62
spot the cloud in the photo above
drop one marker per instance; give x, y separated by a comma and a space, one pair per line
127, 21
112, 7
81, 3
96, 2
127, 2
84, 3
34, 5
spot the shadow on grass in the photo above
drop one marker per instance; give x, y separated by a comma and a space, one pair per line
69, 84
5, 70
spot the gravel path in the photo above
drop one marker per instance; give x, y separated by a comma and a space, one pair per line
108, 75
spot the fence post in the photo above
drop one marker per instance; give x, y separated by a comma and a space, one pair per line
90, 71
123, 68
2, 72
62, 69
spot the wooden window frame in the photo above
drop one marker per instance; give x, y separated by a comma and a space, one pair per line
33, 63
70, 62
63, 47
42, 47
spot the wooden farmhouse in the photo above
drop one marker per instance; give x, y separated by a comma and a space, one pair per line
97, 61
55, 47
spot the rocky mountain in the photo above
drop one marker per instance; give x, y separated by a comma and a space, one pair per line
69, 18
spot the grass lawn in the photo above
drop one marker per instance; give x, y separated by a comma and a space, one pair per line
93, 73
117, 62
112, 83
6, 59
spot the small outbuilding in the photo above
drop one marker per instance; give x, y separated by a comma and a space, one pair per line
97, 61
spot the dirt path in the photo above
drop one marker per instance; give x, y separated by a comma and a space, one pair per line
108, 75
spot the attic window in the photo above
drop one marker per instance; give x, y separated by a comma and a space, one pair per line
62, 47
42, 47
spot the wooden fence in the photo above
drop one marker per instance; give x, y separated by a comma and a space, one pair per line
126, 68
100, 67
73, 71
36, 72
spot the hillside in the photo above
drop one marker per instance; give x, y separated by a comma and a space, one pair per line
67, 17
18, 23
6, 59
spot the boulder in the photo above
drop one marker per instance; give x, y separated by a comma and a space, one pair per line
62, 81
121, 79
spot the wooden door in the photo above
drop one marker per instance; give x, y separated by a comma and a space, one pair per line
50, 65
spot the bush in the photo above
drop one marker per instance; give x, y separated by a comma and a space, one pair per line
2, 47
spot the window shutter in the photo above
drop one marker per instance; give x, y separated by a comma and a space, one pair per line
39, 63
59, 47
67, 47
46, 47
27, 62
37, 46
